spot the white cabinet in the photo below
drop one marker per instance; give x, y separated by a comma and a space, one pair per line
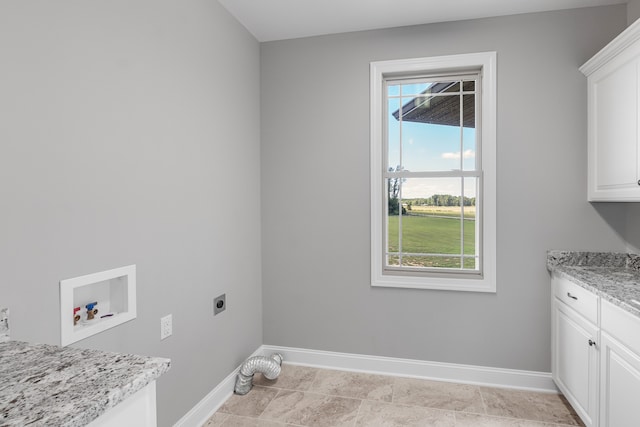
613, 79
575, 361
574, 347
595, 356
620, 368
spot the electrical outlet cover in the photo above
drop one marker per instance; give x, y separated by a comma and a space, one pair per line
4, 325
219, 304
166, 326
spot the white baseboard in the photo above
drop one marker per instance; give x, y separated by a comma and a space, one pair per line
465, 374
199, 414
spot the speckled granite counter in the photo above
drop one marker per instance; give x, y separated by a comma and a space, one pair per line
613, 276
45, 385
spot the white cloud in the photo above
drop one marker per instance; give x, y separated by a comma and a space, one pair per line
468, 154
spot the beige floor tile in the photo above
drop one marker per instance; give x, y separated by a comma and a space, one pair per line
353, 384
336, 398
475, 420
547, 407
291, 377
251, 404
437, 394
376, 414
236, 421
216, 420
311, 409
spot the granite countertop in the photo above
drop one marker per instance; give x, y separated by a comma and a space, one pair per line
47, 385
613, 276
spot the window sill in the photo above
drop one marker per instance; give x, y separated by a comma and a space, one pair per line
435, 283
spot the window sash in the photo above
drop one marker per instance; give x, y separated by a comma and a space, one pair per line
436, 271
456, 79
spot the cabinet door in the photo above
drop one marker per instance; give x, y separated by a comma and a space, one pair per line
613, 132
575, 361
620, 385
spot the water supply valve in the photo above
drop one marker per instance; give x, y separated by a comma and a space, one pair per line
76, 316
91, 310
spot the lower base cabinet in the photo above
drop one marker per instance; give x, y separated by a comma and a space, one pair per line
595, 356
577, 366
575, 361
619, 368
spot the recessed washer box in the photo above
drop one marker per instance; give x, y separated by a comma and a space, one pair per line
115, 294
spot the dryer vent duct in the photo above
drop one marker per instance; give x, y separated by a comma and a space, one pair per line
267, 366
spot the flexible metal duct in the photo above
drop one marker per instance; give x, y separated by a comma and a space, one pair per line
267, 366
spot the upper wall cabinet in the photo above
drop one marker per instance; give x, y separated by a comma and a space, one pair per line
613, 76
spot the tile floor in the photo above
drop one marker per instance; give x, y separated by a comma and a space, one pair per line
304, 396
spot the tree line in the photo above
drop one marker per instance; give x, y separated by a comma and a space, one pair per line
435, 200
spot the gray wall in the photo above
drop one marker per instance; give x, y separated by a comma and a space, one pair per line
129, 134
633, 11
631, 232
315, 190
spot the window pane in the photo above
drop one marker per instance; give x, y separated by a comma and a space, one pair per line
393, 261
393, 90
469, 111
393, 218
469, 149
469, 86
392, 237
469, 134
471, 221
415, 88
450, 87
393, 134
437, 87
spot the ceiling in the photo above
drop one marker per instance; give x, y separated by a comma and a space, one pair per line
287, 19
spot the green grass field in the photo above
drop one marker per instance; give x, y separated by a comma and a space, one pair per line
432, 235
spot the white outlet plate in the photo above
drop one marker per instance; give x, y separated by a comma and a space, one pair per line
4, 324
166, 326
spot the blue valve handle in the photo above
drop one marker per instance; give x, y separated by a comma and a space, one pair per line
91, 305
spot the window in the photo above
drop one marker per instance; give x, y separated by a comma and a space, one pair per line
433, 172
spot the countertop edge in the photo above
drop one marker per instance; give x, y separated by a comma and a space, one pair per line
571, 265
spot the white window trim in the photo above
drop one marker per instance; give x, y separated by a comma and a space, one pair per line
486, 63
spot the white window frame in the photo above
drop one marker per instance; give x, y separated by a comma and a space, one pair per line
485, 64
